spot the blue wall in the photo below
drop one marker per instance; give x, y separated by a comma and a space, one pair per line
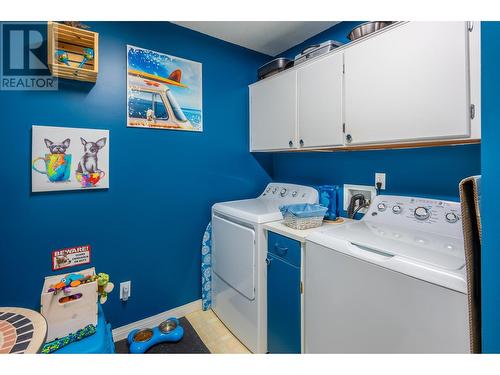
428, 172
431, 172
147, 227
490, 206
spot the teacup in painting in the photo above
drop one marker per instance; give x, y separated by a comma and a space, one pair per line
89, 179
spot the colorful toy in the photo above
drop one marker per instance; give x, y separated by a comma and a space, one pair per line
52, 346
104, 286
73, 280
66, 283
88, 54
72, 277
62, 57
141, 340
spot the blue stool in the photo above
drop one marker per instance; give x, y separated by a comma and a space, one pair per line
140, 340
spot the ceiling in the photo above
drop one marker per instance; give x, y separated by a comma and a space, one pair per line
269, 37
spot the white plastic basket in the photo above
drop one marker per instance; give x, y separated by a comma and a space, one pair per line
302, 223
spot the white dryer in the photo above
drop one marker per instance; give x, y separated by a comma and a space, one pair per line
238, 259
393, 282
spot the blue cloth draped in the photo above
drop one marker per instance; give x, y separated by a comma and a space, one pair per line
206, 269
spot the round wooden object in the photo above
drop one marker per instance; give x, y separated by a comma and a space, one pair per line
21, 330
339, 220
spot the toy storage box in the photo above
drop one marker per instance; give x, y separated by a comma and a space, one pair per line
69, 317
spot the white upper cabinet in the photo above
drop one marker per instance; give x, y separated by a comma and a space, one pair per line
320, 103
273, 113
413, 82
407, 84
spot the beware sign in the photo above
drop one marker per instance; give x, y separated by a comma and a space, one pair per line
72, 256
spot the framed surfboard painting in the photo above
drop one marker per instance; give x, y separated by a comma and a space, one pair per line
163, 91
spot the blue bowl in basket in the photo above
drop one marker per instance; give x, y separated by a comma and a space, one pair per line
303, 215
303, 210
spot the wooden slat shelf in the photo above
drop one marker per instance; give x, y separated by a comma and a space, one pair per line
73, 41
393, 146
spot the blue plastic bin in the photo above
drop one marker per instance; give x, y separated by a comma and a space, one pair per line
101, 342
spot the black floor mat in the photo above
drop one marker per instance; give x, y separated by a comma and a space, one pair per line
189, 344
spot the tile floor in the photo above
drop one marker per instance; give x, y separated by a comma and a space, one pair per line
217, 338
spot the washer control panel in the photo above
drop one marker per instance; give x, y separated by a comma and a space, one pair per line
419, 213
290, 193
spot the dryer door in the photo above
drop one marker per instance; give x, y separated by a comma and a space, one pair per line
233, 251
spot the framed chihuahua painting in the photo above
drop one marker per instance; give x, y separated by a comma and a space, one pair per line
69, 159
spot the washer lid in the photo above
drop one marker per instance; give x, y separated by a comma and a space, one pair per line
427, 256
423, 247
251, 210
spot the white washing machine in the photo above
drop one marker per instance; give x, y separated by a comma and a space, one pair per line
238, 259
393, 282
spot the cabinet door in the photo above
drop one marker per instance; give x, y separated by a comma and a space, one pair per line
283, 306
273, 113
320, 102
409, 83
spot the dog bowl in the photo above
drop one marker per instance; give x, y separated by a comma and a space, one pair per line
367, 28
143, 335
167, 326
141, 340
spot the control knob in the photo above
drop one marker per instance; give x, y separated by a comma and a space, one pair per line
422, 213
381, 207
451, 217
283, 192
294, 193
275, 190
397, 209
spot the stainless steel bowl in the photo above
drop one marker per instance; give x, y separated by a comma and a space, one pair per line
167, 326
367, 28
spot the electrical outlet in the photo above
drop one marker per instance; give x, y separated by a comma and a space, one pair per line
125, 290
380, 177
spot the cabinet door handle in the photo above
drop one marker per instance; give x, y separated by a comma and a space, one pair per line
290, 144
348, 138
301, 142
280, 250
268, 261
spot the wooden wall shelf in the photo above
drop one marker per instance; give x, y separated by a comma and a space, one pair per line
73, 41
393, 146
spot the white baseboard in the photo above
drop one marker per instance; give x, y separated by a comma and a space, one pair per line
121, 333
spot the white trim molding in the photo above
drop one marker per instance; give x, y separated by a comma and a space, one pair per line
121, 333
